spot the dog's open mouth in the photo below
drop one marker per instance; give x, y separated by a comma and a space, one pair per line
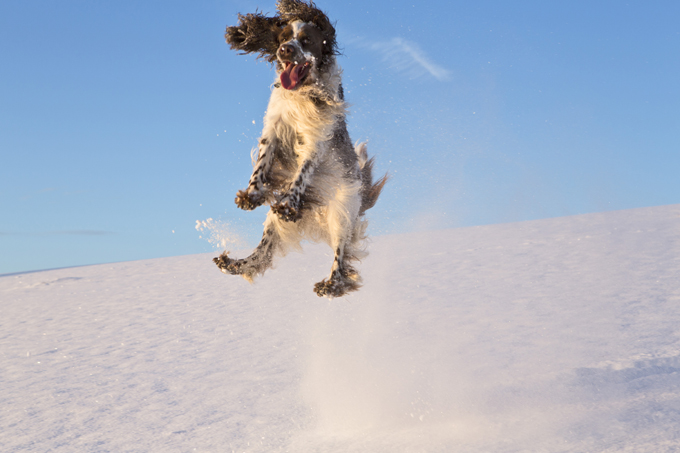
294, 74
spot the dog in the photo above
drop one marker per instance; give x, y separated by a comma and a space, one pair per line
317, 183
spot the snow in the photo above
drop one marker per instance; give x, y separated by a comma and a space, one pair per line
551, 335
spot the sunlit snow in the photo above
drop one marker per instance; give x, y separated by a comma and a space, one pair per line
543, 336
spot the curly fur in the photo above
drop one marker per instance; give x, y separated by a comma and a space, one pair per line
317, 183
255, 33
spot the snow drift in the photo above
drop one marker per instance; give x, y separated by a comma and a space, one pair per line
550, 335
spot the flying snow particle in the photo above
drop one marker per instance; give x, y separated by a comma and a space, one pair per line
218, 233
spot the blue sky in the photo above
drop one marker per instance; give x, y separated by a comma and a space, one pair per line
123, 123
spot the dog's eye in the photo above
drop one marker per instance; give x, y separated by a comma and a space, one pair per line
304, 41
285, 36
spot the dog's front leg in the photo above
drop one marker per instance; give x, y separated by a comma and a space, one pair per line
254, 196
289, 207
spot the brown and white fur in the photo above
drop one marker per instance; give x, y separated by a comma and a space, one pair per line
317, 183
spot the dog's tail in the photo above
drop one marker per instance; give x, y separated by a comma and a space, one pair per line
370, 191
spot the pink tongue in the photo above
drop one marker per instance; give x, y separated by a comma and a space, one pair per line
291, 76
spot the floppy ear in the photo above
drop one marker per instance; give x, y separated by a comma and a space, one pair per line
255, 32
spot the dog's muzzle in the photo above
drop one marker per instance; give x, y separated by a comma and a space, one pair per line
296, 67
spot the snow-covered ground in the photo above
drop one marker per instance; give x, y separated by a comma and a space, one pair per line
545, 336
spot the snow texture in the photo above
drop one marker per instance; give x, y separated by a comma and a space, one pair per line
558, 335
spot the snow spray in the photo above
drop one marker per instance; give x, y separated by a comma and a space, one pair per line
219, 234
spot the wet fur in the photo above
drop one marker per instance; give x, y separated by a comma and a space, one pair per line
318, 184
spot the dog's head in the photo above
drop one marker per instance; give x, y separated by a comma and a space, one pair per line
300, 40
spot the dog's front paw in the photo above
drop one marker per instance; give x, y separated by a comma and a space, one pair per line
287, 210
248, 200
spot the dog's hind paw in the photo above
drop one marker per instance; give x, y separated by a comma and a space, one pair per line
336, 287
227, 265
248, 200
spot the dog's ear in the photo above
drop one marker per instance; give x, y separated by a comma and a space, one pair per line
255, 32
290, 10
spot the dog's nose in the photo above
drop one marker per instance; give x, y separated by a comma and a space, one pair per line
286, 50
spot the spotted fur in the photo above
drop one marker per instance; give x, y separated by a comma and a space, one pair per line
317, 183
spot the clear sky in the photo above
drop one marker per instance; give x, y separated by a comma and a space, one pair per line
123, 123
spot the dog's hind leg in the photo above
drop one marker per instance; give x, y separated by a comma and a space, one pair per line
258, 262
277, 238
343, 278
345, 231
